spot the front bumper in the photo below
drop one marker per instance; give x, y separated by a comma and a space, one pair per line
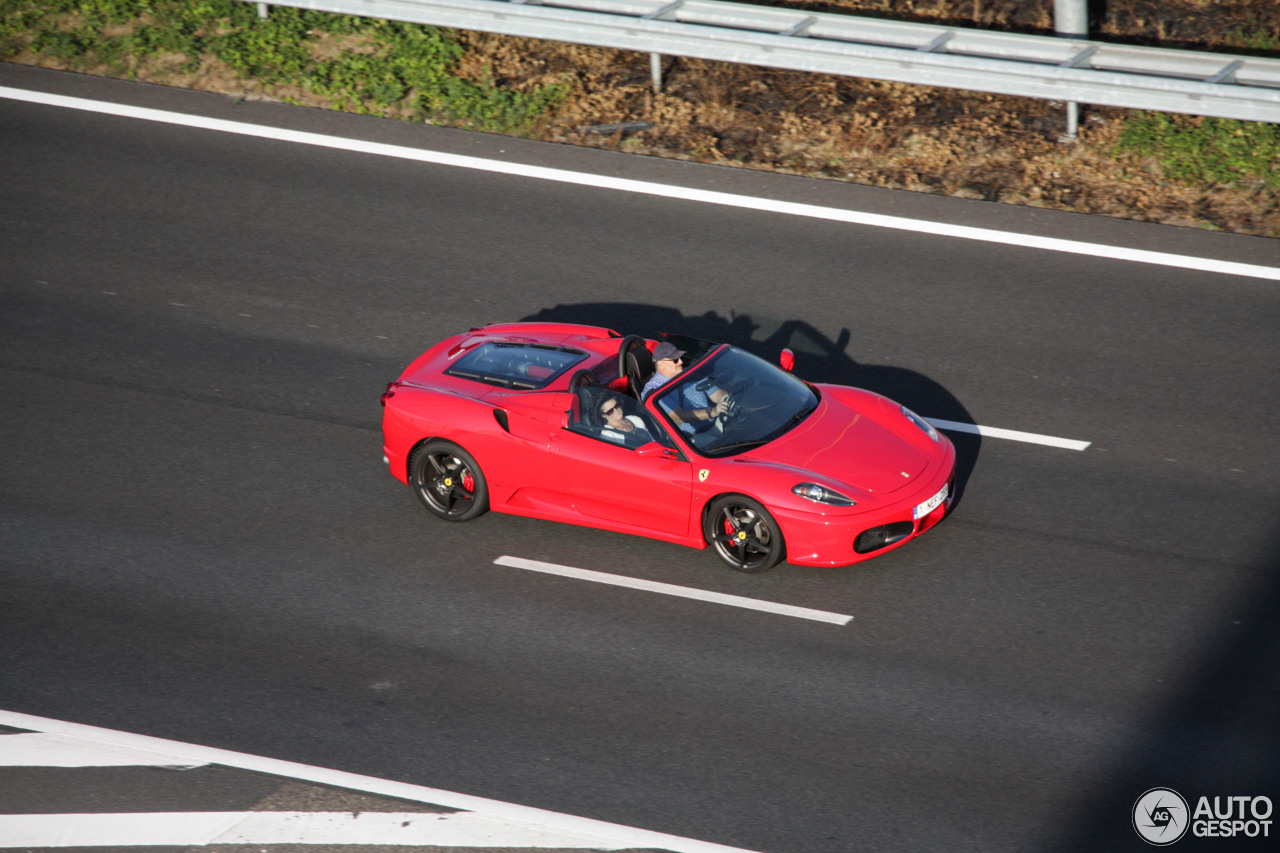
828, 539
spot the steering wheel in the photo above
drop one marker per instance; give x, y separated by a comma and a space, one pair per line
736, 411
737, 430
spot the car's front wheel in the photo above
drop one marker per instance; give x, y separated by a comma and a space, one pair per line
743, 534
448, 481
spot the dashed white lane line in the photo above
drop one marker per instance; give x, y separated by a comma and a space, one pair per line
833, 214
572, 832
672, 589
1010, 434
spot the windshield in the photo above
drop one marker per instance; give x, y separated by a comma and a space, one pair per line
759, 402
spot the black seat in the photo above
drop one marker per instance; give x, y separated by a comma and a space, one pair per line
581, 379
635, 363
591, 401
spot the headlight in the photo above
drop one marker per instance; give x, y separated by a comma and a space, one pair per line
922, 423
822, 495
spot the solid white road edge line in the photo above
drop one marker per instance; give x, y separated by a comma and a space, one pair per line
833, 214
199, 829
39, 749
493, 809
671, 589
1011, 434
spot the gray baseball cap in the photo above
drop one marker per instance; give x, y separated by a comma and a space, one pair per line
664, 351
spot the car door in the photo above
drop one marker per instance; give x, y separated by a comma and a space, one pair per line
650, 487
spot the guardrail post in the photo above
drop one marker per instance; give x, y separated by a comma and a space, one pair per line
667, 12
1071, 20
262, 11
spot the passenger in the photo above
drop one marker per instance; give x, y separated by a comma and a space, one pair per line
620, 427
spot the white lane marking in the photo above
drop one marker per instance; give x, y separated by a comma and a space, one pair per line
671, 589
1011, 434
37, 749
834, 214
539, 819
197, 829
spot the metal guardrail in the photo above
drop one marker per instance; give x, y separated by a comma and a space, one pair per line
1046, 67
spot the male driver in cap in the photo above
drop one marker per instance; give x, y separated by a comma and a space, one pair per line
666, 365
697, 405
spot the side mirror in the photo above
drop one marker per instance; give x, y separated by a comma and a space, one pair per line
653, 448
787, 360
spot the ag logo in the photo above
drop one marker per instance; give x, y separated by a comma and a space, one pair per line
1160, 816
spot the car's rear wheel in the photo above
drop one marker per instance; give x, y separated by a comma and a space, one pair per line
743, 534
448, 481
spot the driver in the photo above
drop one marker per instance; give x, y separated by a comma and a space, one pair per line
693, 405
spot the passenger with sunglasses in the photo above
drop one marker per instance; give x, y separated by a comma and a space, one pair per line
621, 427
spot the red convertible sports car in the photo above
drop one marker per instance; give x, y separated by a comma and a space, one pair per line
676, 438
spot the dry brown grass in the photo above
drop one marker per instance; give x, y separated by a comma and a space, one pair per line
895, 135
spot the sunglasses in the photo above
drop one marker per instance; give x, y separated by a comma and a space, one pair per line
609, 411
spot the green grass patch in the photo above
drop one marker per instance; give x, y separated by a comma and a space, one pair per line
1197, 149
361, 65
1259, 41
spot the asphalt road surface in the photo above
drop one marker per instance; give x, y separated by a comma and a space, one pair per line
198, 539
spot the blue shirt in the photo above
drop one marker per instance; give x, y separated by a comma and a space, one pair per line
655, 382
690, 398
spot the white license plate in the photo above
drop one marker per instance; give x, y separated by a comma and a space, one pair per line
933, 503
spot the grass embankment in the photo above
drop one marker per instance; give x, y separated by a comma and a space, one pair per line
360, 65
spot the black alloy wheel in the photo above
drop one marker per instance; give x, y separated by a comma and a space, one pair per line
743, 534
448, 481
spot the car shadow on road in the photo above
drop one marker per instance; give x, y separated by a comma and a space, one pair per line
818, 358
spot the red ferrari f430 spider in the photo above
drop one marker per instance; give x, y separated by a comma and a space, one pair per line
672, 438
